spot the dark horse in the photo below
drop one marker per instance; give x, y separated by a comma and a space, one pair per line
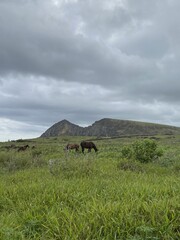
88, 145
72, 146
23, 148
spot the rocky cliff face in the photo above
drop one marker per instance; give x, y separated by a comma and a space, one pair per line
109, 128
63, 128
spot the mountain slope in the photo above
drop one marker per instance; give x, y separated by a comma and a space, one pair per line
109, 128
63, 127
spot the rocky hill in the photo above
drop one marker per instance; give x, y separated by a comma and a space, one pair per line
109, 128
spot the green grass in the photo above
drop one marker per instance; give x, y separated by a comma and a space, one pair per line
89, 196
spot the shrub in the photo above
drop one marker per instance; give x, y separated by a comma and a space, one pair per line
127, 152
21, 140
142, 150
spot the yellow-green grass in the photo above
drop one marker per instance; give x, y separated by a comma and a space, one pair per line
89, 196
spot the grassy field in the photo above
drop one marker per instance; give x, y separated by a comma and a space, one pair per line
90, 196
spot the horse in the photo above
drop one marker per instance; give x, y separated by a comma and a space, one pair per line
88, 145
23, 148
72, 146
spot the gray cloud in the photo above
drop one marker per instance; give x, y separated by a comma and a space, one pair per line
85, 60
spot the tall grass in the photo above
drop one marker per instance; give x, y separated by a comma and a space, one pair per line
89, 197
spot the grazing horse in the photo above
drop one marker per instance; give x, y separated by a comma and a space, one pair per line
23, 148
72, 146
88, 145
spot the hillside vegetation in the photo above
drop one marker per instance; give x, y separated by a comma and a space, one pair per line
109, 128
48, 193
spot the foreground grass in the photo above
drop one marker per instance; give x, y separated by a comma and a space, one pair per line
89, 197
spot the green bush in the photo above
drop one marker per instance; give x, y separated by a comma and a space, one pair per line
142, 150
127, 152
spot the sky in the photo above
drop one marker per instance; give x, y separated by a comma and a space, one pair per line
84, 60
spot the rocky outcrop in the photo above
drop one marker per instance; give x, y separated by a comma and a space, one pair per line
109, 128
63, 127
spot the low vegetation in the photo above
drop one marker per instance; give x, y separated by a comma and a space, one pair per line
129, 190
142, 150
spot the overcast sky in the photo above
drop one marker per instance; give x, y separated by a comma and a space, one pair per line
83, 60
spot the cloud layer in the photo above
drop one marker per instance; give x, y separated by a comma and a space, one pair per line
84, 60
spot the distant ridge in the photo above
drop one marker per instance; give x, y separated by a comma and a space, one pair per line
108, 127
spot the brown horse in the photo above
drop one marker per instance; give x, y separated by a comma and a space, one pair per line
88, 145
72, 146
23, 148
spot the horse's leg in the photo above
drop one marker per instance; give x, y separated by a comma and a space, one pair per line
82, 149
89, 149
